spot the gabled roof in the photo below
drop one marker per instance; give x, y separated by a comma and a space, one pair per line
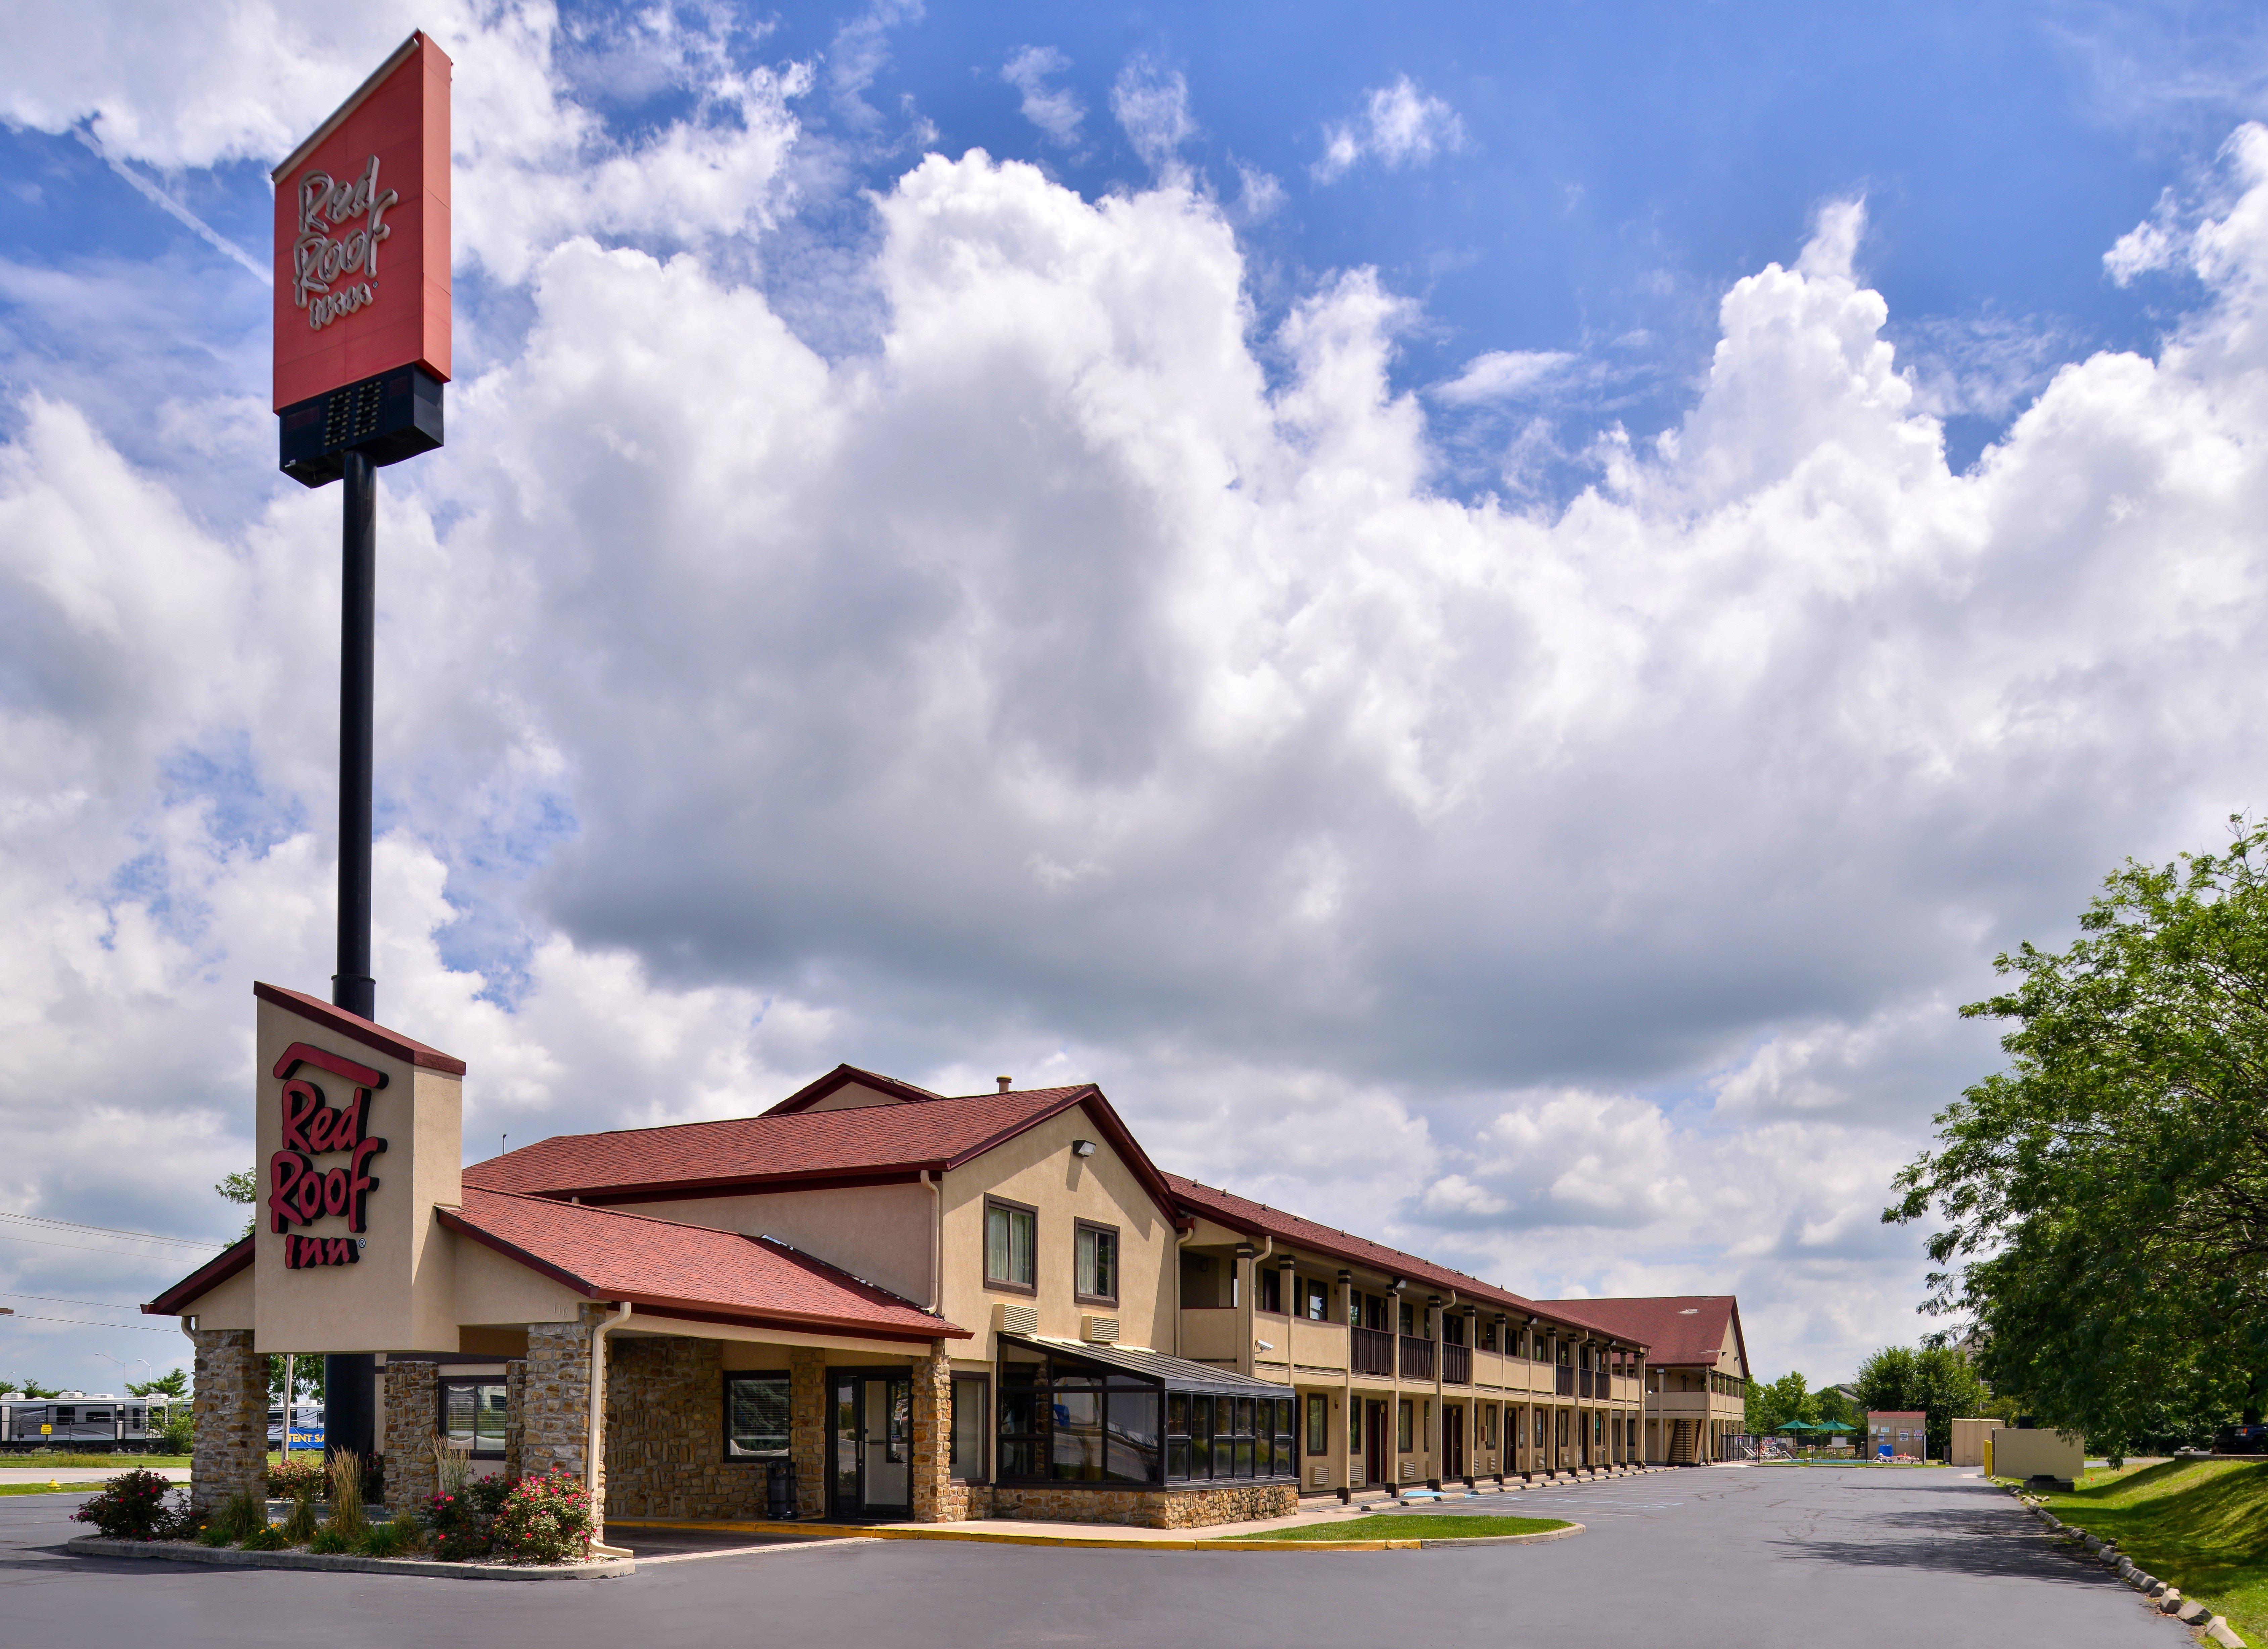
871, 1144
1683, 1328
1241, 1213
845, 1077
369, 1034
203, 1280
686, 1270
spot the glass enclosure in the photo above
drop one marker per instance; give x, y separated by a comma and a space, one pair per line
1064, 1419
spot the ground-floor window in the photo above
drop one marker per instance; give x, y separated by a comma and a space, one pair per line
1354, 1428
1405, 1424
970, 1403
472, 1417
1488, 1425
1319, 1422
756, 1410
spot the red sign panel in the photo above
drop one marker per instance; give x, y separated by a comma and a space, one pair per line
362, 233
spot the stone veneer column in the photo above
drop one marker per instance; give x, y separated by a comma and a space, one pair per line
413, 1396
555, 1409
937, 1499
515, 1421
231, 1447
806, 1367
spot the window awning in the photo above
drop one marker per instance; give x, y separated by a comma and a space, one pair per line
1177, 1371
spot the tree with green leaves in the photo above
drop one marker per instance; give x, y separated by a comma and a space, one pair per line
243, 1187
174, 1382
32, 1389
2104, 1200
1936, 1380
1772, 1405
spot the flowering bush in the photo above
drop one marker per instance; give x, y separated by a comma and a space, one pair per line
545, 1519
132, 1506
297, 1477
462, 1523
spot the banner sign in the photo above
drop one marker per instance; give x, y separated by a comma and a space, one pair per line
362, 272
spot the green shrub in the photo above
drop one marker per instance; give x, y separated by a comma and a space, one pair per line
180, 1428
545, 1519
132, 1506
267, 1537
389, 1540
239, 1515
330, 1542
300, 1526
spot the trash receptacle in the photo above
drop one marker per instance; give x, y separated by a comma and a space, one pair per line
779, 1491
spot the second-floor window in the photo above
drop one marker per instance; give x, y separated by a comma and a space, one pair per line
1315, 1299
1095, 1263
1011, 1246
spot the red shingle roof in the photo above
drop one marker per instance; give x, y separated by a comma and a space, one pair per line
1682, 1329
408, 1050
692, 1271
870, 1143
1241, 1213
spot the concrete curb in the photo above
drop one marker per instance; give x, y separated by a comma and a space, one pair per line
992, 1537
230, 1557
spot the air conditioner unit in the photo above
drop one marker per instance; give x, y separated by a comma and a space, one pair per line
1100, 1330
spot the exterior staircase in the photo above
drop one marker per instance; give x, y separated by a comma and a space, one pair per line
1681, 1444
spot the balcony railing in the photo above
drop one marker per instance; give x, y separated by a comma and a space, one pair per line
1584, 1385
1417, 1357
1372, 1352
1457, 1364
1566, 1382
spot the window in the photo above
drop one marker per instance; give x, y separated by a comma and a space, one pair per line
1023, 1421
1011, 1243
472, 1416
1542, 1436
1453, 1330
1354, 1427
756, 1410
1315, 1299
1272, 1290
1319, 1422
1488, 1426
1488, 1335
1096, 1264
1404, 1424
1408, 1318
969, 1403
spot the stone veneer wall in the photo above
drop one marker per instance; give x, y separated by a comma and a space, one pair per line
807, 1428
230, 1451
666, 1434
555, 1406
1148, 1508
937, 1499
413, 1414
515, 1420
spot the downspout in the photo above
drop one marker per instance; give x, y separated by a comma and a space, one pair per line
936, 1240
1179, 1242
1435, 1443
1247, 1364
599, 1332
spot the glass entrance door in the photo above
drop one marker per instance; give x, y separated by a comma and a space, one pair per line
873, 1475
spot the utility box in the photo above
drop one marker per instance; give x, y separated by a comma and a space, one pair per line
2024, 1455
1968, 1440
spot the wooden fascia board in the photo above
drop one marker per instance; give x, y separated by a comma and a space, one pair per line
201, 1281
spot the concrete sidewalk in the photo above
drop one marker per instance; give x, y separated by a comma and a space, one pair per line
82, 1474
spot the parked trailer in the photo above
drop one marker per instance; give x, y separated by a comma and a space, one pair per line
44, 1422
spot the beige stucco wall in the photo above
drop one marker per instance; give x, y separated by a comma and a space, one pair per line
1037, 1168
492, 1289
2037, 1454
851, 1097
881, 1233
399, 1296
228, 1306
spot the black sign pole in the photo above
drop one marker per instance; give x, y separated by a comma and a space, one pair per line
352, 986
350, 1381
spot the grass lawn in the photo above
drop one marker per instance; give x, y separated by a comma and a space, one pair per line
39, 1460
41, 1488
1412, 1526
2200, 1525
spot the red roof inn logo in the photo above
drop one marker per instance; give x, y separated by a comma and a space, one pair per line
300, 1191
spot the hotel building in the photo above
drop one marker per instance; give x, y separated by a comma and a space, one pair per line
869, 1302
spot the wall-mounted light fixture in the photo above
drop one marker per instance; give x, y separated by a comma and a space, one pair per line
1082, 1147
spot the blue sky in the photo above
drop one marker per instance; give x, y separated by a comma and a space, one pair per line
1517, 584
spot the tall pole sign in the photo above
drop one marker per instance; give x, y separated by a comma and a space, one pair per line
361, 350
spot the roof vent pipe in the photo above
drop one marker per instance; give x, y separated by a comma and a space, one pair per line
1005, 1083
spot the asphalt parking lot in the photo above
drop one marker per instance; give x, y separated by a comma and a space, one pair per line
1757, 1558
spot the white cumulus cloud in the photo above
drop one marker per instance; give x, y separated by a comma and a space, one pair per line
1398, 126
